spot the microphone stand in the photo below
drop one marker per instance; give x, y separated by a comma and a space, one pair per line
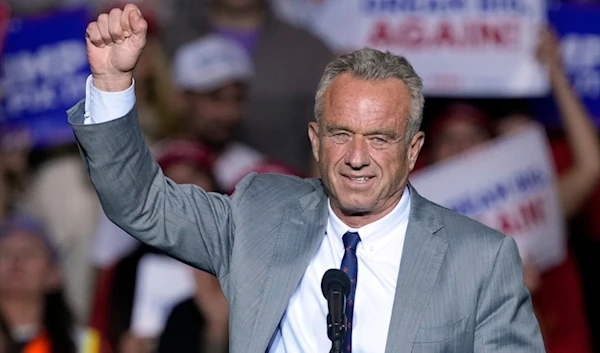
336, 330
336, 287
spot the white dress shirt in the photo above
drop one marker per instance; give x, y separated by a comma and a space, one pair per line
303, 327
102, 106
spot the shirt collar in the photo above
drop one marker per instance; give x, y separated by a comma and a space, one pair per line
369, 233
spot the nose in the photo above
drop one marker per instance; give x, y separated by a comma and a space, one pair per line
14, 263
358, 155
230, 112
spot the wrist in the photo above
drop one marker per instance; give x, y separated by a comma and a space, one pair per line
112, 83
557, 75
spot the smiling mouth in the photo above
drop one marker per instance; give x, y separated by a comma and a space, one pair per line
359, 180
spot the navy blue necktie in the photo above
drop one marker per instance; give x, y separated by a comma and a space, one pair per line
350, 267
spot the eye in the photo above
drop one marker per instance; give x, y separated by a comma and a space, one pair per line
378, 140
341, 136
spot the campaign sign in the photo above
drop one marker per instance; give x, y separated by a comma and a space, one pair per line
474, 48
579, 29
44, 69
509, 185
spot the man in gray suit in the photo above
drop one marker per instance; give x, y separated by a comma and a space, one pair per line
424, 279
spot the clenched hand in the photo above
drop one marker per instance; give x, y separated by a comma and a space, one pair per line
114, 44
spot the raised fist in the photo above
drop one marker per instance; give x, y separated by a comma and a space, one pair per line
114, 44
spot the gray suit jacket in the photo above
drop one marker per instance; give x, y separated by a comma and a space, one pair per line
460, 286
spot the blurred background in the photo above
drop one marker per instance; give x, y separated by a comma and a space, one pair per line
226, 87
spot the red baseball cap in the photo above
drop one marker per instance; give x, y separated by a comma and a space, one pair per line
183, 150
460, 112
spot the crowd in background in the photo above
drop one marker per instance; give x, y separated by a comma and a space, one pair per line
225, 88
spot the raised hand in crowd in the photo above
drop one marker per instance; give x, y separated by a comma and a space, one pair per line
548, 49
580, 179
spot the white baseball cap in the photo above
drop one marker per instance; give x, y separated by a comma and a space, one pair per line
209, 62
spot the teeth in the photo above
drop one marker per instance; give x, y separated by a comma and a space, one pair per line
360, 180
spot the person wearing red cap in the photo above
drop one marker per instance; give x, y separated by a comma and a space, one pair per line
186, 161
459, 128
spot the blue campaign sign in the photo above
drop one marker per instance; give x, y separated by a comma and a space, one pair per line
579, 29
43, 73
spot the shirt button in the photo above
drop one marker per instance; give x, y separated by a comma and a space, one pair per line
371, 248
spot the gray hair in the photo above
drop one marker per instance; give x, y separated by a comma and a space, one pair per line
374, 65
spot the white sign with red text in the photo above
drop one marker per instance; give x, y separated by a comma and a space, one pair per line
459, 47
509, 185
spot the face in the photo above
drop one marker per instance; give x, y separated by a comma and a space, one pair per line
361, 149
457, 136
185, 173
215, 116
513, 123
26, 266
15, 162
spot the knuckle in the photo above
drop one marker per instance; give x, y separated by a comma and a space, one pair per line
92, 30
116, 33
102, 17
116, 12
115, 27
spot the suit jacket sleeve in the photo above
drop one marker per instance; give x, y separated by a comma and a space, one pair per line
505, 319
183, 221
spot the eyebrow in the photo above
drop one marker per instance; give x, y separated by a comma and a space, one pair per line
390, 133
331, 128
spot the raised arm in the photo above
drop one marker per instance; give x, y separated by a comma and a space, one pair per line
182, 220
576, 183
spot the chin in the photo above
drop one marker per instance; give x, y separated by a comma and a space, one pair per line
356, 208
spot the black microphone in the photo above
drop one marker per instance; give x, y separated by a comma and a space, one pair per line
336, 288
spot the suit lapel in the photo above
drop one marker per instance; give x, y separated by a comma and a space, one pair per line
302, 230
422, 258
